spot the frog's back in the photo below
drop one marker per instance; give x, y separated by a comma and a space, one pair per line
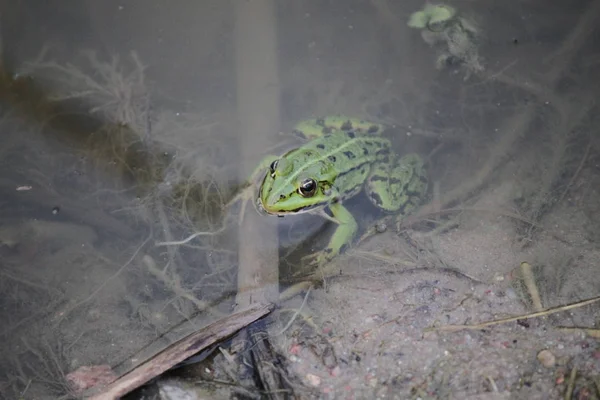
346, 150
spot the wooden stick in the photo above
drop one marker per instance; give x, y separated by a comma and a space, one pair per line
257, 72
179, 351
258, 100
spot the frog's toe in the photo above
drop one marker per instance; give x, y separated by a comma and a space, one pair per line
317, 259
399, 224
310, 260
245, 195
241, 195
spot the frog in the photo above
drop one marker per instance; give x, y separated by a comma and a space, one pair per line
341, 157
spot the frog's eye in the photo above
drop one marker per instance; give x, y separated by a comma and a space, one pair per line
273, 167
308, 187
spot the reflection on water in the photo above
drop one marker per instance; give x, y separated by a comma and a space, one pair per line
92, 178
106, 153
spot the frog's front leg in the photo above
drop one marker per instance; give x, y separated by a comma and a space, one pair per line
247, 191
342, 236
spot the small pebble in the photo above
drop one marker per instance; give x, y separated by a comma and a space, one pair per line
381, 227
546, 358
372, 381
313, 380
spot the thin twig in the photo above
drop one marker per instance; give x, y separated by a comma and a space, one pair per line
173, 282
577, 171
454, 328
110, 278
191, 237
529, 280
591, 332
298, 311
569, 392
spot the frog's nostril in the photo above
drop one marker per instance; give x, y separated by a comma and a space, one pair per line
281, 197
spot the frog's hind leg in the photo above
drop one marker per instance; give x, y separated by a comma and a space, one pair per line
385, 183
396, 186
414, 189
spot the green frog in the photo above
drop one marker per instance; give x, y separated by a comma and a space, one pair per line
341, 157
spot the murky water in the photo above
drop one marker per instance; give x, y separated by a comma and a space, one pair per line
121, 138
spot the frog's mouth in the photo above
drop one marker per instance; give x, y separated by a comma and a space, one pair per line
266, 210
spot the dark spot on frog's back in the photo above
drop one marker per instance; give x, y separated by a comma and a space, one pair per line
321, 121
346, 126
332, 158
423, 179
351, 134
326, 129
350, 155
379, 178
366, 151
321, 146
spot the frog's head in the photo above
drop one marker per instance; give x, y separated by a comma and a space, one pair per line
291, 185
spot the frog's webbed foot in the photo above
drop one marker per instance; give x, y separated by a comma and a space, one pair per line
247, 190
340, 239
318, 259
245, 195
317, 267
